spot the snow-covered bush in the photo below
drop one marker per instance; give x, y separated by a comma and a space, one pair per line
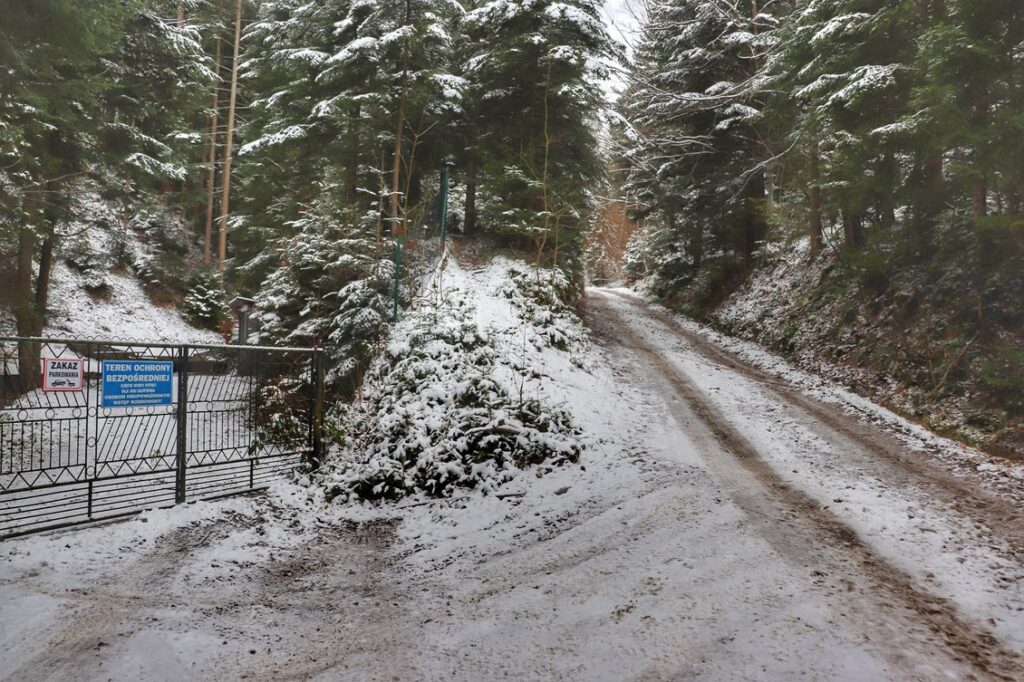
281, 420
162, 257
435, 415
205, 302
541, 297
93, 265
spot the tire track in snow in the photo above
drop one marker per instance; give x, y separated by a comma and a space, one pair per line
999, 515
763, 493
113, 606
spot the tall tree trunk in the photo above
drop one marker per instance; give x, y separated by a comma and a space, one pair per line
397, 228
470, 226
396, 168
352, 152
42, 296
697, 247
211, 178
225, 198
928, 188
754, 227
979, 204
814, 200
25, 311
853, 229
888, 171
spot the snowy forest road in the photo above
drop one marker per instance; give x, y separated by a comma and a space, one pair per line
805, 474
725, 522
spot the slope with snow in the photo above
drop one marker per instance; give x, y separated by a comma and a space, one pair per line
714, 528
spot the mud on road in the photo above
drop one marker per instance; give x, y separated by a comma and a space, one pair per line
721, 525
919, 618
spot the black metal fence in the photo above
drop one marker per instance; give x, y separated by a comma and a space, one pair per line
208, 421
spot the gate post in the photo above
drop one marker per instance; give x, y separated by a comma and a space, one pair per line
182, 418
317, 413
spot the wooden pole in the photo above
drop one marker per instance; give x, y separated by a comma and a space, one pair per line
225, 197
212, 159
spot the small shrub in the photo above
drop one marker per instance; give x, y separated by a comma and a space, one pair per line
435, 416
92, 265
205, 302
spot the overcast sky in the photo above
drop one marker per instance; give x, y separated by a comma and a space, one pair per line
621, 18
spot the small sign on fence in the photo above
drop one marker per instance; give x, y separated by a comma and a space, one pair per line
137, 383
63, 375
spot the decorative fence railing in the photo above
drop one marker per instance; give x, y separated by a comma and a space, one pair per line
93, 430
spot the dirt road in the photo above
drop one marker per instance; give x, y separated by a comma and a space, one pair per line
724, 524
915, 609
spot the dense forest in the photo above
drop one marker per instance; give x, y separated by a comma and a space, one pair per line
276, 147
280, 148
886, 135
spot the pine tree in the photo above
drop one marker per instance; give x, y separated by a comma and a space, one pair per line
694, 142
533, 89
49, 89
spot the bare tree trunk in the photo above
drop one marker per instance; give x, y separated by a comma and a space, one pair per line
814, 198
754, 227
25, 311
697, 247
888, 172
352, 164
853, 230
470, 226
396, 170
211, 181
225, 198
979, 202
43, 281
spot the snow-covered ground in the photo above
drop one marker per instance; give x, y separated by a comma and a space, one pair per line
125, 313
722, 524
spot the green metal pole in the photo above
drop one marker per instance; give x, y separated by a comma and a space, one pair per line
444, 202
398, 278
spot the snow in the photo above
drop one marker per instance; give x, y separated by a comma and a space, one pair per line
458, 400
655, 558
837, 26
911, 530
864, 79
126, 313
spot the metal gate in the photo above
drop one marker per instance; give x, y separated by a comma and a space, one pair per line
240, 416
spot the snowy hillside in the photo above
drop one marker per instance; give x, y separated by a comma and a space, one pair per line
910, 345
125, 312
463, 395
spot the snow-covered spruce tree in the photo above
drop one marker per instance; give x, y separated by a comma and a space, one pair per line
533, 83
101, 89
331, 288
694, 145
342, 87
435, 414
847, 68
969, 99
205, 303
158, 79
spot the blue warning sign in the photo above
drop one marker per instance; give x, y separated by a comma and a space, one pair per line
137, 383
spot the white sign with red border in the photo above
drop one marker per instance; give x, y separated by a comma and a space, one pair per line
63, 375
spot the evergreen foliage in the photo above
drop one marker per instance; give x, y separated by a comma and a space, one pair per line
868, 122
347, 111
